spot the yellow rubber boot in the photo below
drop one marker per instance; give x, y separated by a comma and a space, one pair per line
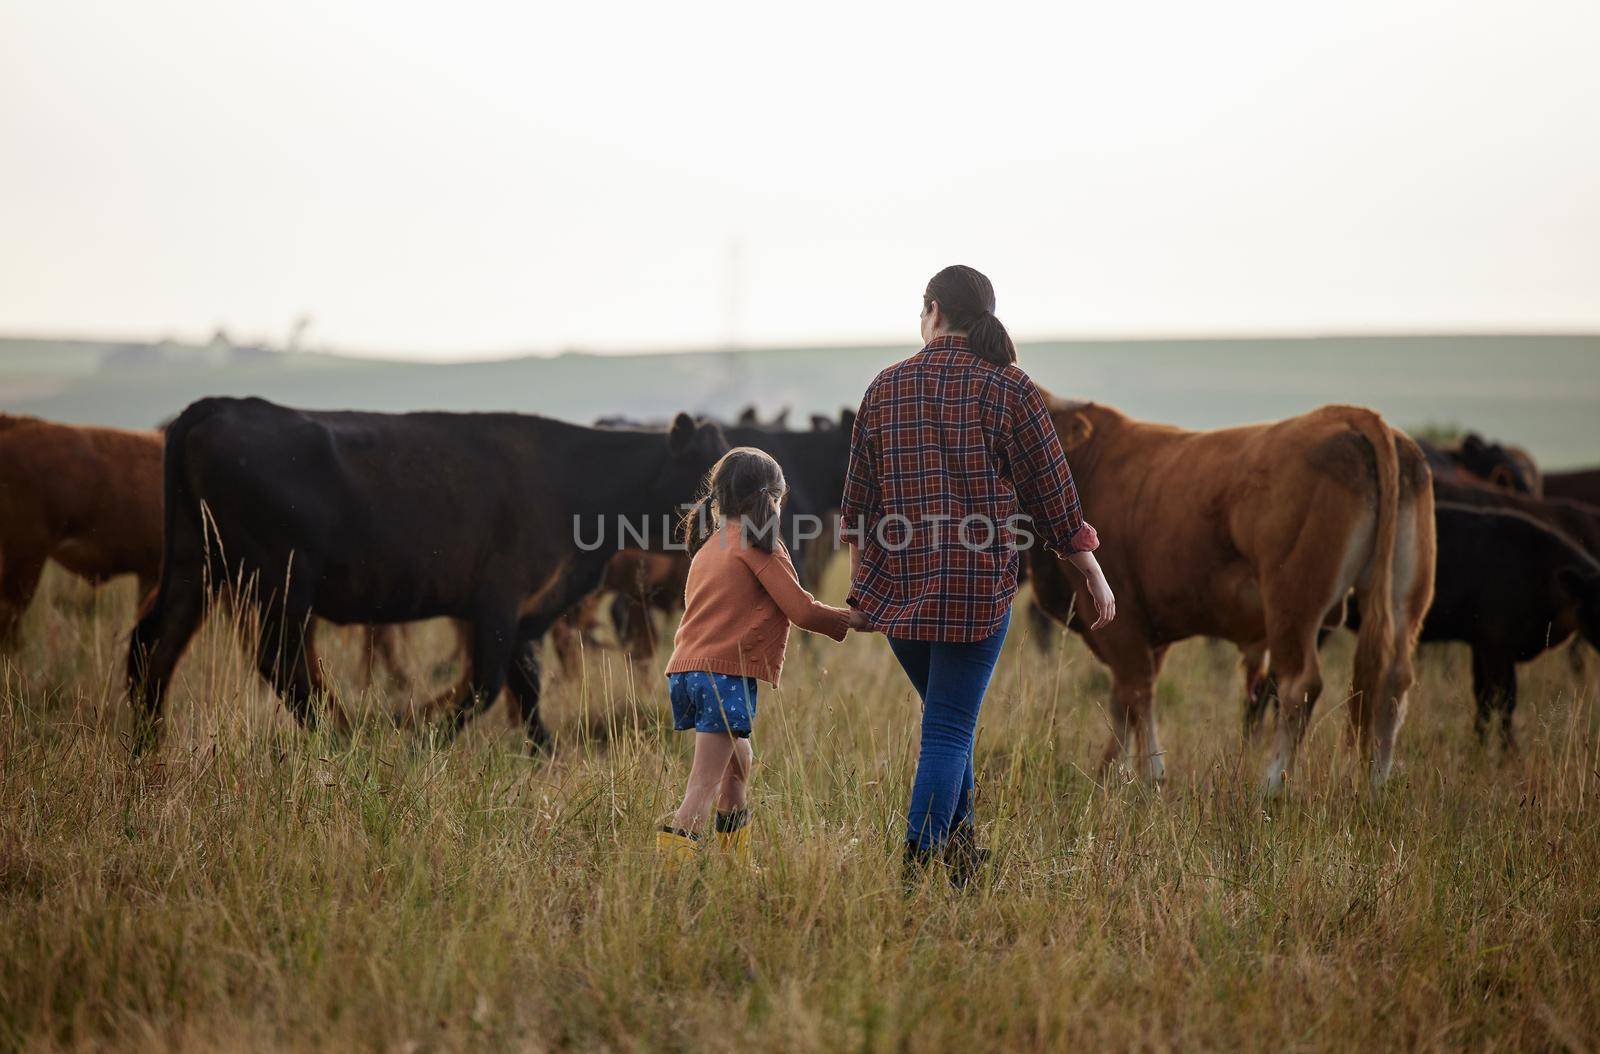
677, 848
733, 836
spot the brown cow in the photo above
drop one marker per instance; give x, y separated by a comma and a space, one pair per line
88, 498
1253, 534
645, 583
638, 583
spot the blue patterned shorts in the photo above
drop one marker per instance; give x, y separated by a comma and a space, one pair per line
712, 702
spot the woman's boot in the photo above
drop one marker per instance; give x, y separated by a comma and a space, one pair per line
964, 858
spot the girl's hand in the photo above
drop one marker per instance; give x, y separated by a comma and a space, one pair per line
1105, 604
859, 621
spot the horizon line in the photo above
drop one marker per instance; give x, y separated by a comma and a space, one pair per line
714, 348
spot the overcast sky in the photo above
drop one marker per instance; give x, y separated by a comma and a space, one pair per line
464, 180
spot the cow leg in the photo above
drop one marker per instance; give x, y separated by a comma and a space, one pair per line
1389, 712
19, 580
626, 611
1494, 687
286, 656
1260, 690
1040, 627
381, 643
523, 675
369, 657
1508, 733
1575, 658
1412, 593
1118, 743
523, 679
635, 627
1131, 723
147, 591
489, 653
1053, 593
568, 642
1152, 759
1483, 695
1133, 677
1294, 667
166, 624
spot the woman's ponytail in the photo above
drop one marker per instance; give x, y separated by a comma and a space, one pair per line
966, 298
987, 338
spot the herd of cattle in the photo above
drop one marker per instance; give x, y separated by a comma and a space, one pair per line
1267, 536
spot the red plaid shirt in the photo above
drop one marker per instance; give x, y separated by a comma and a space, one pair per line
950, 457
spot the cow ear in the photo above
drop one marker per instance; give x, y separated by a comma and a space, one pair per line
1075, 431
747, 416
680, 437
709, 440
1472, 445
821, 423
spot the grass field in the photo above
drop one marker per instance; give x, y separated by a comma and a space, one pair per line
252, 886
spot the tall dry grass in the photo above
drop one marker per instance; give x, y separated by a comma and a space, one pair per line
252, 886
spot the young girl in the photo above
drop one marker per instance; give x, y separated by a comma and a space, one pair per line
741, 596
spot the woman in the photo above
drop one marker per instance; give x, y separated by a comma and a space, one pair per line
953, 452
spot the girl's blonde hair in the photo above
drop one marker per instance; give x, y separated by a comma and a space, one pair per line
745, 485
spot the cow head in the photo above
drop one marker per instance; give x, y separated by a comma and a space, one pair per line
694, 447
1493, 463
1581, 585
1074, 427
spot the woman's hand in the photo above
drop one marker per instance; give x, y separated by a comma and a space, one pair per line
1105, 604
859, 621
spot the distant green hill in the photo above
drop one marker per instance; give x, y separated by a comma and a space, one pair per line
1540, 391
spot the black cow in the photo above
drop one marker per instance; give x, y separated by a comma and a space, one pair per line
1511, 588
1574, 519
1579, 485
1476, 459
1505, 584
501, 521
814, 465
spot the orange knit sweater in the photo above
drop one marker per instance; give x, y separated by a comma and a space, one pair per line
737, 607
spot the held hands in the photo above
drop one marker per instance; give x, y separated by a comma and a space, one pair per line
859, 621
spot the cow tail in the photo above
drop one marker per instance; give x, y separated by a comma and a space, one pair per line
183, 538
1375, 641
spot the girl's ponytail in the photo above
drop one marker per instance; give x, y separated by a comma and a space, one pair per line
695, 527
744, 487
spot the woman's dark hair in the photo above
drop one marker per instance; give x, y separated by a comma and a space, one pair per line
744, 485
966, 298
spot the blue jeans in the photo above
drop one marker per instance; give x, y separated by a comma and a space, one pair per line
951, 679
